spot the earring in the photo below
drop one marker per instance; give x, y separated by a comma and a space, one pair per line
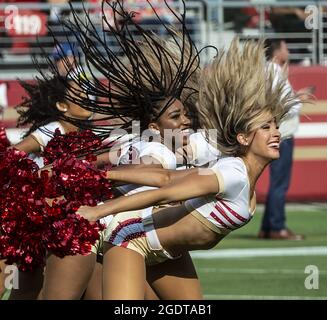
155, 131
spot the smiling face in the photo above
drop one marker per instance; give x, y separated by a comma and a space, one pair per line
174, 118
264, 142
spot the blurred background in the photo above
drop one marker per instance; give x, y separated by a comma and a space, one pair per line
25, 32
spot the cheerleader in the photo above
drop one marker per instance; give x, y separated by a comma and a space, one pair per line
47, 107
239, 101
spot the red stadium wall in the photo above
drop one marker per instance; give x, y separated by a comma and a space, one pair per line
309, 179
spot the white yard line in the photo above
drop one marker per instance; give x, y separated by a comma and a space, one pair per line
260, 252
256, 271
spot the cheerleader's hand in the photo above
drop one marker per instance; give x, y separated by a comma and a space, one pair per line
51, 200
46, 169
89, 213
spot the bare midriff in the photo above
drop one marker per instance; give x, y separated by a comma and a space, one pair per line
178, 230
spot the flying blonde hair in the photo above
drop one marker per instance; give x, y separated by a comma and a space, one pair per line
238, 92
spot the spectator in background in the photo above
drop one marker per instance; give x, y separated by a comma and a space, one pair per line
236, 17
288, 19
56, 8
292, 20
274, 219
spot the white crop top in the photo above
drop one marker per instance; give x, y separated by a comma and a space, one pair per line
230, 209
131, 153
202, 151
44, 134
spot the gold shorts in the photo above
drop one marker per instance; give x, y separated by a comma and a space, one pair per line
134, 231
97, 248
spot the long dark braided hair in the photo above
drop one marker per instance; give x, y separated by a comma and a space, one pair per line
143, 80
39, 107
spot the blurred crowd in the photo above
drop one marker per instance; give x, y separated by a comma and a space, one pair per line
32, 23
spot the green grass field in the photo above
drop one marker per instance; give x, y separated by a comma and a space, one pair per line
279, 276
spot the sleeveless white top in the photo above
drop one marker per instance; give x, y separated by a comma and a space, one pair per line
132, 153
230, 209
202, 151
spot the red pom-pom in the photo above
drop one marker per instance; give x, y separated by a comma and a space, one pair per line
79, 180
29, 226
72, 234
22, 208
26, 251
72, 143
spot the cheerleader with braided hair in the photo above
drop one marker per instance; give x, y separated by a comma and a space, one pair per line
45, 109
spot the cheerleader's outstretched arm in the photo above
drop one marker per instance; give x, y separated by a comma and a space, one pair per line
153, 176
192, 186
